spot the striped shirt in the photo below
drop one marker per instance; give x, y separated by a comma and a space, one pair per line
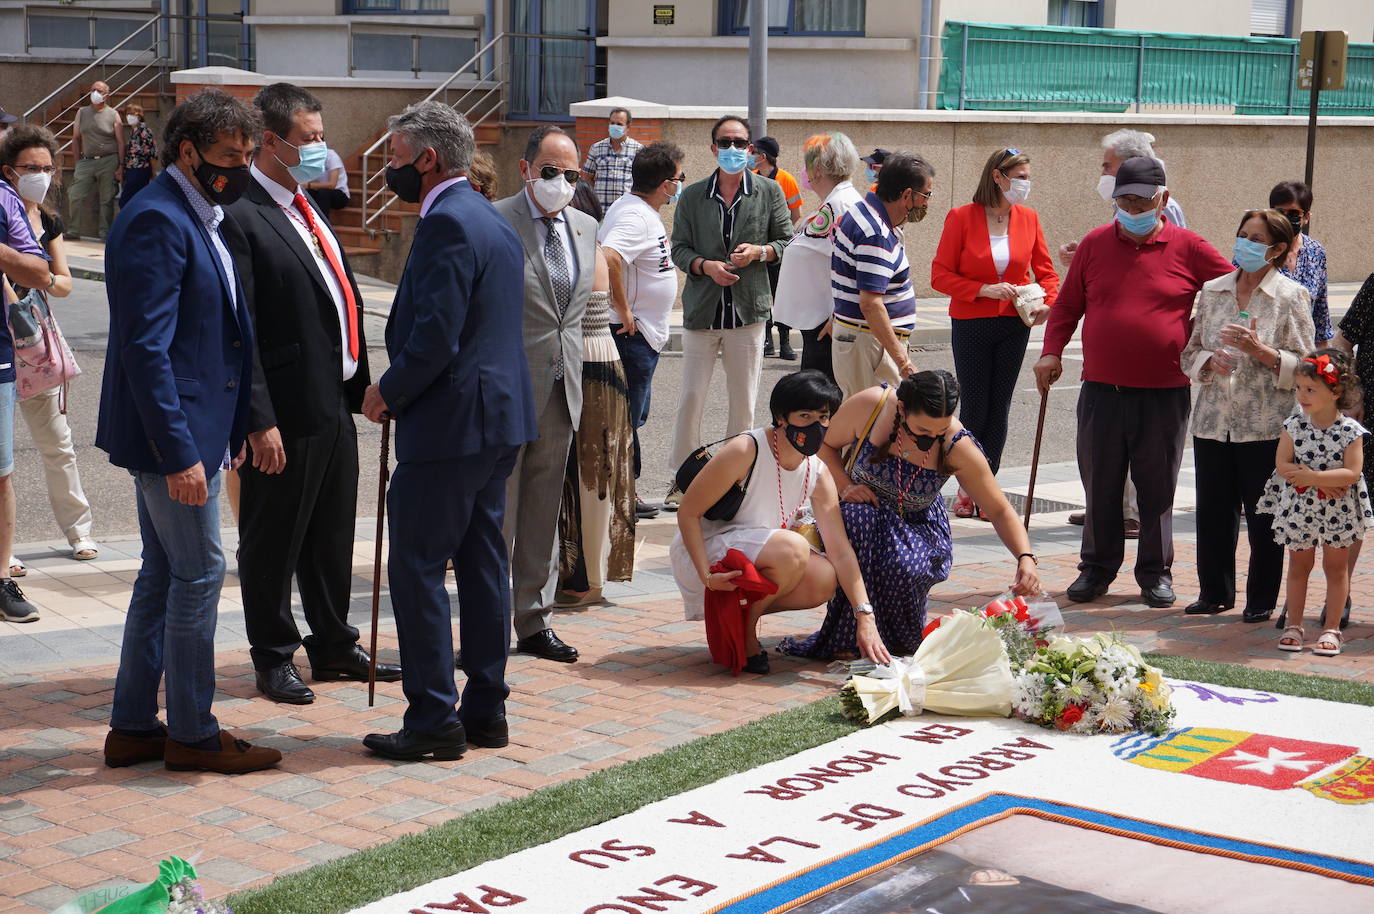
726, 318
869, 257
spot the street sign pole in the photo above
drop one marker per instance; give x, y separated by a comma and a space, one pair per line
1317, 61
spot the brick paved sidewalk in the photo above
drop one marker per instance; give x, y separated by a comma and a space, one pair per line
645, 683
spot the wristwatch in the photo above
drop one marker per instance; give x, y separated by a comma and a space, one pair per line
863, 609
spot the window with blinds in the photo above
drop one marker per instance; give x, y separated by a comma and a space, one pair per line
1269, 18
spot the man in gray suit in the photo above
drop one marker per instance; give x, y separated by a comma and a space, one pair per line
560, 264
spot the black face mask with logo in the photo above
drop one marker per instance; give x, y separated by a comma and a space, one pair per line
806, 438
222, 185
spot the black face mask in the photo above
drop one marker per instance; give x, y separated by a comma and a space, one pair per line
405, 181
1295, 220
806, 438
222, 185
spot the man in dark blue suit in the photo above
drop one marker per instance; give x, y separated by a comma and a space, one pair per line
459, 389
173, 411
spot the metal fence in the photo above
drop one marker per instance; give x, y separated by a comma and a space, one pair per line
1036, 68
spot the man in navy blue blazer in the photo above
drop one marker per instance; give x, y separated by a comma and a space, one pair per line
173, 411
459, 389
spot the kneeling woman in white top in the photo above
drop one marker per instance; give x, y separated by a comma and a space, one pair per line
787, 476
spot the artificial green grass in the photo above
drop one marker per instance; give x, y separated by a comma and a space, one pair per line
552, 812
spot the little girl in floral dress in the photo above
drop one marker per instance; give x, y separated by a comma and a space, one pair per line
1317, 494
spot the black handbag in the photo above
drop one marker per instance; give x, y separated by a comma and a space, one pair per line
728, 504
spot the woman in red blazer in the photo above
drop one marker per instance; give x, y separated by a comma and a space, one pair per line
987, 249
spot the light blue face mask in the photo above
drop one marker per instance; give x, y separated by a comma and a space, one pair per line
870, 175
1142, 224
732, 161
677, 191
616, 131
1250, 255
313, 156
753, 161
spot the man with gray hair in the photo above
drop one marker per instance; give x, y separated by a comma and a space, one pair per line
459, 389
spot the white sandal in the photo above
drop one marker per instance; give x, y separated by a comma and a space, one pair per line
1329, 636
85, 549
17, 569
1291, 633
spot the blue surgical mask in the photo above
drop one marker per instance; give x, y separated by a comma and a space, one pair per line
313, 156
1142, 224
1250, 255
616, 131
753, 161
732, 161
870, 175
677, 191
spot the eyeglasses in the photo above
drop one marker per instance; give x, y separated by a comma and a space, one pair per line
35, 169
549, 172
923, 193
681, 177
725, 142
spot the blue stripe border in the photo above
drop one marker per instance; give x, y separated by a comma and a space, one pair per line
996, 805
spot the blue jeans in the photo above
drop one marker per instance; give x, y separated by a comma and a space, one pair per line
172, 614
639, 360
6, 428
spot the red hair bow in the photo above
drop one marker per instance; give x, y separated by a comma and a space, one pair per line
1326, 369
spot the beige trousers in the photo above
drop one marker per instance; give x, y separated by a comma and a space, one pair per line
860, 361
741, 349
53, 438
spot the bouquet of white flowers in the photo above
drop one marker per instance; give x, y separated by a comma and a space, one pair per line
1087, 685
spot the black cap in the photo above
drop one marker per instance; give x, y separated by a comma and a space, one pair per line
6, 117
768, 146
877, 157
1140, 176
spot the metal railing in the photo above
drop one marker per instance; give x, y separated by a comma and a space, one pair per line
130, 78
1034, 68
480, 99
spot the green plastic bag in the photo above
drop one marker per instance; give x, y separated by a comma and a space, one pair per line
154, 897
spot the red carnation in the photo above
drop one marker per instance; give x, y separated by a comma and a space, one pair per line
1071, 715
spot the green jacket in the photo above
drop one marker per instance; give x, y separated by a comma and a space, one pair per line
760, 218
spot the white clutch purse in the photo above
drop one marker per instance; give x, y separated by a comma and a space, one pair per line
1027, 298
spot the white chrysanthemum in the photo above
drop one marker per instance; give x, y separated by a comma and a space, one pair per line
1028, 694
1115, 714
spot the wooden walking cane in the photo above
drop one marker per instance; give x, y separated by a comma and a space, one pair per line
383, 475
1035, 456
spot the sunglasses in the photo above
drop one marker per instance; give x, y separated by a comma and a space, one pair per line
680, 177
549, 172
726, 142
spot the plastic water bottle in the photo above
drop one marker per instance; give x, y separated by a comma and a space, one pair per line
1232, 354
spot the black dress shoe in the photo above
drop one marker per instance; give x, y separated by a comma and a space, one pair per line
1256, 615
1159, 596
283, 683
1088, 587
412, 745
757, 664
547, 645
644, 510
490, 734
1203, 608
352, 665
458, 660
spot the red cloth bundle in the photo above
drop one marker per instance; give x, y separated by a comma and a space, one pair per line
728, 610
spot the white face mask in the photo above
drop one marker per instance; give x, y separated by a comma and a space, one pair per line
552, 194
34, 187
1105, 186
96, 97
1018, 192
132, 119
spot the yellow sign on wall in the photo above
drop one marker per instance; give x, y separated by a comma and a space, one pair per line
664, 13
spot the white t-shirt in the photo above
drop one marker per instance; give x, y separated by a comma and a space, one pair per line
633, 229
804, 298
1001, 252
332, 160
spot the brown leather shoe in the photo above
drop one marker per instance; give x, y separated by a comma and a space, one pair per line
236, 756
122, 750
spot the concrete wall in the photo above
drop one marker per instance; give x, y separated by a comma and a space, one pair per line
23, 85
635, 18
1252, 153
307, 50
1353, 16
1215, 17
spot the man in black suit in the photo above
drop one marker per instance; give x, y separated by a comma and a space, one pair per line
299, 495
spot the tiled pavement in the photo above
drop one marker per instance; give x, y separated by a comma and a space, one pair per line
645, 683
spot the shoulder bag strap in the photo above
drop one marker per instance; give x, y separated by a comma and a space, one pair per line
868, 430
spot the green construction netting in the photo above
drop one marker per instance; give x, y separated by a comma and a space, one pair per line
1037, 68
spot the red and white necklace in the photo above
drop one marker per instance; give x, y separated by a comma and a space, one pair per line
784, 516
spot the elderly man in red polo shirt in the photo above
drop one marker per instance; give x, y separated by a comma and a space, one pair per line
1133, 283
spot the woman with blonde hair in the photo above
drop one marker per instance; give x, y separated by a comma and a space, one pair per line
991, 255
482, 175
803, 298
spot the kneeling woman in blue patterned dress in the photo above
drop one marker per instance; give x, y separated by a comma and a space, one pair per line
901, 450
